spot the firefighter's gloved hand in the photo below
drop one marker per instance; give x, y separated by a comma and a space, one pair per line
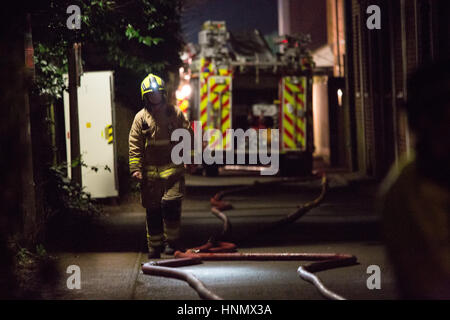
137, 175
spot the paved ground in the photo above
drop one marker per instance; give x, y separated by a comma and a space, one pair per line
111, 252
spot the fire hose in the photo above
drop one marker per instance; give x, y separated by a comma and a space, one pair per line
220, 251
170, 272
305, 272
218, 206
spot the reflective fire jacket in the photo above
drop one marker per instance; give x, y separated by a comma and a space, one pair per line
149, 142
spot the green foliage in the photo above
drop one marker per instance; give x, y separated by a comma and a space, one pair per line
32, 271
50, 66
24, 255
132, 33
40, 250
66, 197
132, 38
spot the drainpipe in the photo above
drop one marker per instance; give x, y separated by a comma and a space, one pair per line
362, 95
404, 71
393, 84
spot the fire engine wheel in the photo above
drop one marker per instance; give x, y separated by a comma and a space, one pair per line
211, 170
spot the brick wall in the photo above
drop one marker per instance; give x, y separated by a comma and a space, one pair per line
413, 32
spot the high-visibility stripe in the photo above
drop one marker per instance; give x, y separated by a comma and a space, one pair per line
288, 90
287, 117
213, 87
291, 88
299, 101
214, 94
289, 133
204, 101
224, 72
183, 105
225, 119
156, 237
221, 100
214, 102
167, 172
134, 161
155, 172
289, 99
293, 119
289, 143
206, 72
154, 243
299, 128
227, 87
213, 144
300, 132
155, 240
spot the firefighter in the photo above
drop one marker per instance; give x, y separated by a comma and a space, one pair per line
162, 182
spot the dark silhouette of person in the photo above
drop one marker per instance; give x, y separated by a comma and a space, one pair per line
416, 194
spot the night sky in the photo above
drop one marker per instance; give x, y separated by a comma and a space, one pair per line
239, 15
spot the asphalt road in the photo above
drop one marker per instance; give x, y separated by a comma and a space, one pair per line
110, 253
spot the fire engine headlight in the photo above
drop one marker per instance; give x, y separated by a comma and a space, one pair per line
184, 92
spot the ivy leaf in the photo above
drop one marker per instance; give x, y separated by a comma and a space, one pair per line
131, 32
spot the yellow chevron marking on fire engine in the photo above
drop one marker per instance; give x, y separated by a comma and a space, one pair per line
288, 114
291, 101
205, 72
294, 125
288, 118
220, 97
289, 142
293, 87
183, 105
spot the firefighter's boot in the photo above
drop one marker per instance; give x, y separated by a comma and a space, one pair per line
171, 210
155, 232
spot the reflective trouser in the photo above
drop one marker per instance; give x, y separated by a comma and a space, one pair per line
163, 204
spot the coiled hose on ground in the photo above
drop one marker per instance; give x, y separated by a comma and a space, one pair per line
217, 250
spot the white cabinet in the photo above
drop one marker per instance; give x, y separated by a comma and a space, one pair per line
97, 141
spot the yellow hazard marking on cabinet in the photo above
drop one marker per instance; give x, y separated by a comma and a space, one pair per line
109, 133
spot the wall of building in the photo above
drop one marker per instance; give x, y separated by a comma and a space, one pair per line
379, 62
320, 118
336, 34
304, 16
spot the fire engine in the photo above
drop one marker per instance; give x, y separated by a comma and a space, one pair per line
235, 80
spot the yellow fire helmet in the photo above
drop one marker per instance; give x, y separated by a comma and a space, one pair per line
151, 83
